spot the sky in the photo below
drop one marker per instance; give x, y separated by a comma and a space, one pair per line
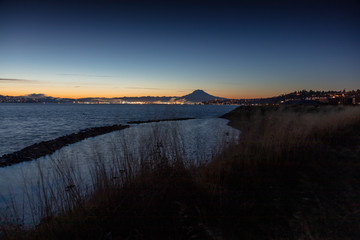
233, 49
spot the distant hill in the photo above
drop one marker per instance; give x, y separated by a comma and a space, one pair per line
36, 95
298, 97
199, 96
194, 97
302, 97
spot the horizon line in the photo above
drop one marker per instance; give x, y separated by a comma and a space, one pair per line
76, 98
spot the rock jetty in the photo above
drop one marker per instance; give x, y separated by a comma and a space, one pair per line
160, 120
47, 147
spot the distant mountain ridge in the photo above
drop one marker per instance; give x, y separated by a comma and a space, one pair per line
196, 96
199, 96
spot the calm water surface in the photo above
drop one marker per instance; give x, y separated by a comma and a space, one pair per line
22, 125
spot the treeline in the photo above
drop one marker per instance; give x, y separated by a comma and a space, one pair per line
301, 97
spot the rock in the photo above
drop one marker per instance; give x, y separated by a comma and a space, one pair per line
47, 147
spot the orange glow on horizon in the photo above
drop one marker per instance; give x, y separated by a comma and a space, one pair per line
97, 94
103, 91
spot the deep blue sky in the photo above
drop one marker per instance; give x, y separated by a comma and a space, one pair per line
129, 48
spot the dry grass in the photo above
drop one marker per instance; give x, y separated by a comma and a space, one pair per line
129, 186
294, 174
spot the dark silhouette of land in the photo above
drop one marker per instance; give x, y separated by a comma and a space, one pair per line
199, 96
196, 96
302, 97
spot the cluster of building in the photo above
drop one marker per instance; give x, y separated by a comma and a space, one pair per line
179, 103
13, 99
299, 97
330, 97
337, 99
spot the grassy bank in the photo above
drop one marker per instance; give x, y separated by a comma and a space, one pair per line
294, 174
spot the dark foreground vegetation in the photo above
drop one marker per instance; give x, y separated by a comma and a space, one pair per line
295, 174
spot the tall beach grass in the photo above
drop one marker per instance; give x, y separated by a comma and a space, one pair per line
292, 174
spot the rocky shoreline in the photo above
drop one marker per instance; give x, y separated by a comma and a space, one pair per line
47, 147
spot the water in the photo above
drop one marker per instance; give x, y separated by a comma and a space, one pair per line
22, 125
21, 185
